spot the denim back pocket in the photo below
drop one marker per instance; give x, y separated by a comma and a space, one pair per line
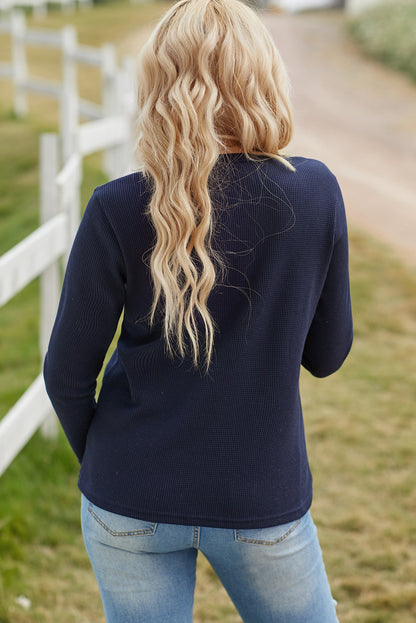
101, 527
267, 536
119, 525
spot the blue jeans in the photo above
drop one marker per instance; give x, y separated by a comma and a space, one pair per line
146, 571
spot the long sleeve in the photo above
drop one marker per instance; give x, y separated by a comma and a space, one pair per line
330, 335
91, 303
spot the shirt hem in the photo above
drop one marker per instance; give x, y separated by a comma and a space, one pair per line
195, 520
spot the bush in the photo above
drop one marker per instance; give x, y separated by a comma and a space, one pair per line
388, 33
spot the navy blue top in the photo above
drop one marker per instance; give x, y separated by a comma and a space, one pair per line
164, 442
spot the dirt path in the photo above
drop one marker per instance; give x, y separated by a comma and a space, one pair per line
359, 118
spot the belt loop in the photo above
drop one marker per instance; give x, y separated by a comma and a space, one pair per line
196, 536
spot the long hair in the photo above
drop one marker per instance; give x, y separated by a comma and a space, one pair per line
210, 79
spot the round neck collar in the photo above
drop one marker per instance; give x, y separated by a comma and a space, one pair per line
240, 154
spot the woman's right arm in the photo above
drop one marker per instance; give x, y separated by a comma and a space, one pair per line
91, 303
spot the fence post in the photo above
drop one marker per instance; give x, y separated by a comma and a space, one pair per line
69, 93
72, 201
110, 104
68, 5
127, 90
19, 64
40, 9
50, 282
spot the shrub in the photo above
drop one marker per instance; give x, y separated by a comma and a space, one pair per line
388, 33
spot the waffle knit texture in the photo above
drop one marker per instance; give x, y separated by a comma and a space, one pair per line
165, 442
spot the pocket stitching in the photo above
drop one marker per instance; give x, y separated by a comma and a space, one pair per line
284, 536
146, 531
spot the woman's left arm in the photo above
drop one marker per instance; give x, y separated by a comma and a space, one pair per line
330, 335
91, 303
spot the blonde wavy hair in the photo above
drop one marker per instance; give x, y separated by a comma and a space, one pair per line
210, 81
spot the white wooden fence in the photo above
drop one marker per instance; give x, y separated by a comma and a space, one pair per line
72, 108
41, 253
40, 7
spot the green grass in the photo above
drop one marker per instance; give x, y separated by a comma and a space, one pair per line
361, 436
387, 33
360, 427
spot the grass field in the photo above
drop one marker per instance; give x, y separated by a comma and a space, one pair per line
387, 32
360, 426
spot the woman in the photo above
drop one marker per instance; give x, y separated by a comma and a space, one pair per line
230, 263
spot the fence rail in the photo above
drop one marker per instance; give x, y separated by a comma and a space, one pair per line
29, 258
22, 421
40, 7
5, 70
